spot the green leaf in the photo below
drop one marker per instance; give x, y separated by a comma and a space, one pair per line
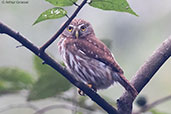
13, 79
53, 13
49, 86
62, 2
39, 67
50, 82
116, 5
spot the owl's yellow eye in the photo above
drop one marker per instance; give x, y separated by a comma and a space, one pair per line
70, 29
83, 28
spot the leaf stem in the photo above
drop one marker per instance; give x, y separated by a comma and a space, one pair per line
75, 4
19, 46
67, 16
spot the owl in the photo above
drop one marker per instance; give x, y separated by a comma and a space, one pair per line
89, 59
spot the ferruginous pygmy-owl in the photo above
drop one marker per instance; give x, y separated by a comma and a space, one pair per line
89, 59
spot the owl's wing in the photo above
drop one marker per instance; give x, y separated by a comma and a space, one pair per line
96, 49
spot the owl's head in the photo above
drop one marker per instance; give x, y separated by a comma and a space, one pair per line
78, 28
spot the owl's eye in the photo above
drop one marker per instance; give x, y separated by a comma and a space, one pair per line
83, 28
70, 29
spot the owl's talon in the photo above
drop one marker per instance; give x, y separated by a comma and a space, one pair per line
81, 92
92, 87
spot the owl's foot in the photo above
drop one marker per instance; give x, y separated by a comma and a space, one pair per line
90, 86
81, 92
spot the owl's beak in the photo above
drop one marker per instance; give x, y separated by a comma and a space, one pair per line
76, 34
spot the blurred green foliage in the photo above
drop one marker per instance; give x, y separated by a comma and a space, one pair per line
13, 79
79, 112
50, 82
154, 111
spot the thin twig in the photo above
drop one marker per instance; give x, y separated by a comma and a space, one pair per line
75, 4
19, 46
151, 105
67, 16
42, 49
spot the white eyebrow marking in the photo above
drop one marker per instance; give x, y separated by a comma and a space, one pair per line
80, 25
71, 26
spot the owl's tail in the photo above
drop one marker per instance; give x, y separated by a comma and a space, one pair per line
125, 83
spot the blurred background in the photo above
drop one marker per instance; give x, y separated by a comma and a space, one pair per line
131, 39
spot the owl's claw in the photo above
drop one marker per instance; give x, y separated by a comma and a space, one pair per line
81, 92
90, 86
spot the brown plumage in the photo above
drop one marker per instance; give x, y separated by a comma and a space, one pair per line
89, 59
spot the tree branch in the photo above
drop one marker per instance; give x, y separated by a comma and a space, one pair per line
42, 49
48, 60
144, 75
